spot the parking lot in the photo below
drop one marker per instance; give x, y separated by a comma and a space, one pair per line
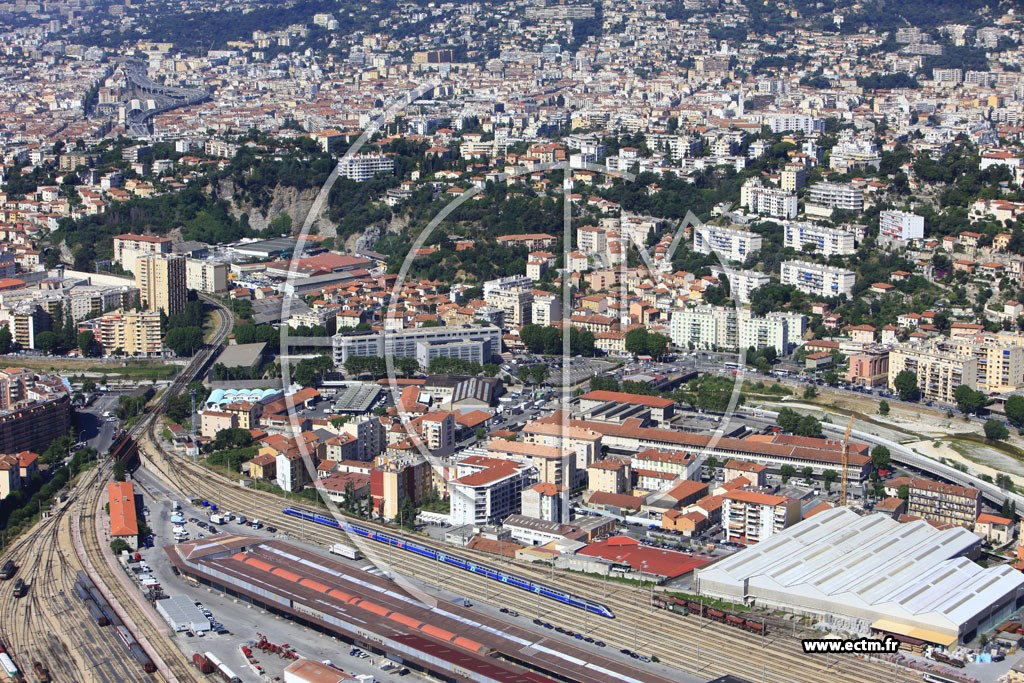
234, 623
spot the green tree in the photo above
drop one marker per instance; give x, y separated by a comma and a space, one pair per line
994, 429
47, 342
119, 471
119, 545
880, 457
788, 420
1015, 410
968, 400
86, 341
883, 408
808, 426
829, 476
88, 386
810, 391
787, 471
407, 366
636, 341
539, 373
184, 341
808, 472
903, 491
906, 384
5, 340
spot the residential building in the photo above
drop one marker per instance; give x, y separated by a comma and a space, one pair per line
731, 244
546, 502
610, 475
829, 196
361, 167
826, 241
993, 528
396, 479
743, 282
161, 282
779, 123
552, 464
128, 248
749, 517
792, 178
941, 502
133, 333
546, 309
682, 464
209, 277
869, 368
901, 225
473, 351
487, 494
938, 372
818, 279
369, 435
768, 201
517, 305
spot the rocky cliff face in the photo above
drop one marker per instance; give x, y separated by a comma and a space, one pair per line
284, 200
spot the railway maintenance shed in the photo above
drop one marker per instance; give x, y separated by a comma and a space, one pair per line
872, 573
448, 641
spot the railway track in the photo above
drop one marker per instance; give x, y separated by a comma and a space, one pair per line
673, 638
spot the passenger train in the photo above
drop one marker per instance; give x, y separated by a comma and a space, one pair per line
520, 582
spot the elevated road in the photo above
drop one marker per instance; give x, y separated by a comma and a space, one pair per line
164, 97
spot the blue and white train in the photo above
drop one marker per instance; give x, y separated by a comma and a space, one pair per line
523, 583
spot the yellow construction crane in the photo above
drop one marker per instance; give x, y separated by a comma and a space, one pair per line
844, 476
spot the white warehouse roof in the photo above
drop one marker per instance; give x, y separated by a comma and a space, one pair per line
874, 569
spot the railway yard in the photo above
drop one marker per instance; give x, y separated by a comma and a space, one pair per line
53, 627
690, 643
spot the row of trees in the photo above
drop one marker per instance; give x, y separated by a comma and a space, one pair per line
548, 340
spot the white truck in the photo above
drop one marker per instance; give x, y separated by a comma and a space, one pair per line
240, 519
346, 551
218, 519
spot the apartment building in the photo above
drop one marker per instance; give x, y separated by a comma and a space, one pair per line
817, 278
938, 372
1000, 365
585, 443
592, 240
610, 475
704, 327
768, 201
901, 225
546, 309
870, 368
161, 281
133, 333
487, 495
749, 517
778, 123
826, 241
676, 463
552, 464
369, 435
361, 167
778, 329
940, 502
25, 321
438, 431
128, 248
851, 153
731, 244
517, 305
829, 196
793, 178
397, 479
743, 282
209, 277
546, 502
403, 343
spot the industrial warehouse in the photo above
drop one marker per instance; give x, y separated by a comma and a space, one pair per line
911, 580
449, 642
